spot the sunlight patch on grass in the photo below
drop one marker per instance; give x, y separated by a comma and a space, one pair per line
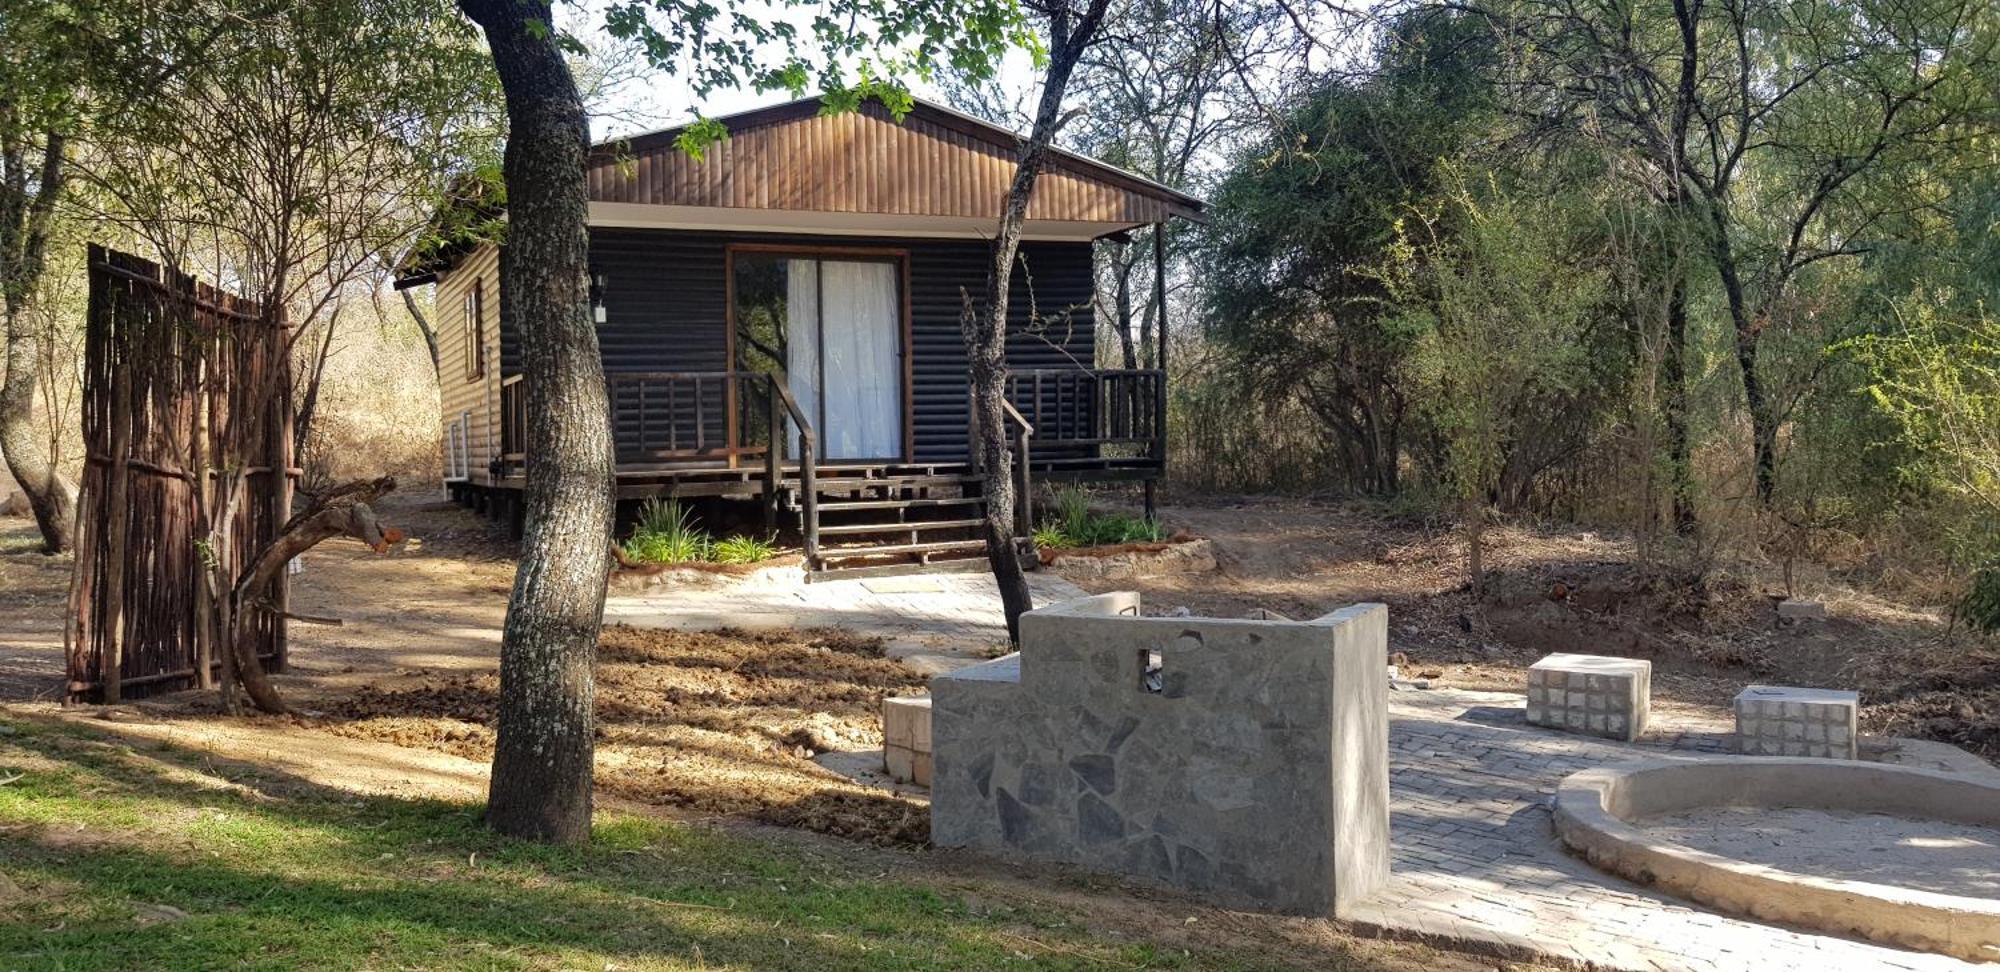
123, 858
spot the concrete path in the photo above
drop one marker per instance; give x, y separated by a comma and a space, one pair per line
1475, 860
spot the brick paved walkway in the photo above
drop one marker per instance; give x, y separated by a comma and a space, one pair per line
1475, 858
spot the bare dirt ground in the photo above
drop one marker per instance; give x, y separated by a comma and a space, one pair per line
1576, 591
718, 728
422, 622
723, 726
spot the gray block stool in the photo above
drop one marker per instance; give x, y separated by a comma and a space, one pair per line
1596, 695
1774, 720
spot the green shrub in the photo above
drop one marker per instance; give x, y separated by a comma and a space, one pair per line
1052, 537
1072, 524
743, 550
666, 534
1981, 606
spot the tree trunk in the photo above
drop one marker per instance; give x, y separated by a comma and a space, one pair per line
1121, 261
1673, 375
24, 239
985, 326
1763, 425
309, 407
429, 333
51, 495
542, 759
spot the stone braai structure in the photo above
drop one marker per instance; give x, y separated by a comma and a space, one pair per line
1593, 694
1243, 760
1773, 720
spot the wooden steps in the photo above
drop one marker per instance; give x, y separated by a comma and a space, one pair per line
872, 522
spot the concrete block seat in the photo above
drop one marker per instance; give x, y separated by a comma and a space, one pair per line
1245, 760
1775, 720
906, 739
1596, 695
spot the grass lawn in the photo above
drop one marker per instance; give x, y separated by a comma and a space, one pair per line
115, 856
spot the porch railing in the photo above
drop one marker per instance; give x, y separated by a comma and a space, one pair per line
1088, 409
694, 418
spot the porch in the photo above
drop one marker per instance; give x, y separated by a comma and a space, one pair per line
711, 434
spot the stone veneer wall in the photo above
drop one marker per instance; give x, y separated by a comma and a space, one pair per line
1252, 767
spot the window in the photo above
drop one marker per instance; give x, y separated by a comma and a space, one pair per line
475, 343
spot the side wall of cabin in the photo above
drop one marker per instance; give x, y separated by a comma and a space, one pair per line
666, 310
461, 393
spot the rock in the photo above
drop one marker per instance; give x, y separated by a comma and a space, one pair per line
1792, 610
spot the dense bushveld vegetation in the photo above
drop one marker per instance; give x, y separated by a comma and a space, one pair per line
1718, 276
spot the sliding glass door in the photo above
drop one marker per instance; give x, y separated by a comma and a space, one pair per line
832, 328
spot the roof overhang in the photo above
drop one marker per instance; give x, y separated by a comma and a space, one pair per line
737, 220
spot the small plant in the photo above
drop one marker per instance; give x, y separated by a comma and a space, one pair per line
1052, 537
1072, 508
1980, 608
1073, 524
666, 534
742, 550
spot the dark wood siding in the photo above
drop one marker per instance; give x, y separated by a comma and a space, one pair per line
665, 312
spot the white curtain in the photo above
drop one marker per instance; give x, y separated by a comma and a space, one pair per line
846, 311
802, 340
863, 383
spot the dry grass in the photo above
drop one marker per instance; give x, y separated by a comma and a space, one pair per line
722, 722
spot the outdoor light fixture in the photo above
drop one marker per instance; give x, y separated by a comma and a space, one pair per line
599, 283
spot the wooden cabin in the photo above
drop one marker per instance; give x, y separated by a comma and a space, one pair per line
780, 326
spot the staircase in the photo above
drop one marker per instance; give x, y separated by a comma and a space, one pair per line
883, 520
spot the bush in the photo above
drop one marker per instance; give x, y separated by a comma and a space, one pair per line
1050, 537
743, 550
1073, 524
666, 534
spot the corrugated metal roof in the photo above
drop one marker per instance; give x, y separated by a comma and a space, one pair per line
935, 162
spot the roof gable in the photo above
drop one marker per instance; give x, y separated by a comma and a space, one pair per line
935, 163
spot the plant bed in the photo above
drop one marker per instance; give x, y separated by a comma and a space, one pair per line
666, 548
1181, 554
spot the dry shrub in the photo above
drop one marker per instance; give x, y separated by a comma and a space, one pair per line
378, 405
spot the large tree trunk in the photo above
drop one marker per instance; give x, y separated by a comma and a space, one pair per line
25, 218
985, 327
542, 759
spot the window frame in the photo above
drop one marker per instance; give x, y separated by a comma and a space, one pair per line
475, 344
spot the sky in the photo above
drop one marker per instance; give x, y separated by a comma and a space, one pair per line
649, 99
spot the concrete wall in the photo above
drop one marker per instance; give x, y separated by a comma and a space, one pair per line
1253, 769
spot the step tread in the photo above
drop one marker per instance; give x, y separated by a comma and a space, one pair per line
928, 501
843, 529
895, 549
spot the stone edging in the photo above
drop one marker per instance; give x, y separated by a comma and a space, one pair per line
1592, 807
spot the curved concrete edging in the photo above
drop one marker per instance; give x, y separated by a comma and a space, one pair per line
1592, 808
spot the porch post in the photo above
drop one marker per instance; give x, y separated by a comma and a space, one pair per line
1160, 400
1160, 293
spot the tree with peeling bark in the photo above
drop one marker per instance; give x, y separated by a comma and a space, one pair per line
983, 324
541, 780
